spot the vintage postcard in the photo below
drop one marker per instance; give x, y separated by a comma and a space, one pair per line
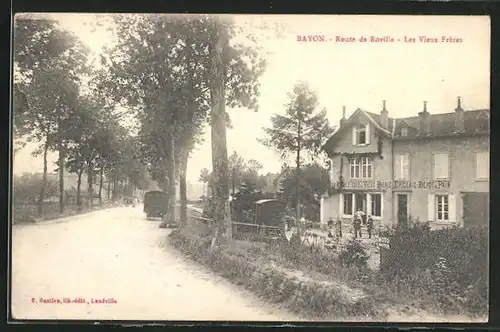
250, 168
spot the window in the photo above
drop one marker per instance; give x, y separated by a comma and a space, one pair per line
402, 167
361, 168
404, 131
366, 167
441, 166
348, 203
482, 165
354, 167
361, 134
376, 208
442, 213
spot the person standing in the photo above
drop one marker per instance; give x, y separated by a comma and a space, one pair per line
339, 227
357, 224
369, 226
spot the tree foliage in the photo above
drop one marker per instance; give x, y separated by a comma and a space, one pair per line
314, 182
301, 110
50, 64
302, 128
27, 186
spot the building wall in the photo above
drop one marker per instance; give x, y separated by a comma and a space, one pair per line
345, 141
382, 171
462, 154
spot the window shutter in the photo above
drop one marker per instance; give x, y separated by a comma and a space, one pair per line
452, 208
408, 166
341, 205
433, 166
405, 173
430, 207
368, 133
447, 169
482, 165
441, 166
369, 204
354, 138
397, 167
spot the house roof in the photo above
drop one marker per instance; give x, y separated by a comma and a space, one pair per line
441, 125
444, 124
371, 117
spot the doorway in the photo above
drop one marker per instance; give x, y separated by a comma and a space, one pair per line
402, 208
360, 204
476, 208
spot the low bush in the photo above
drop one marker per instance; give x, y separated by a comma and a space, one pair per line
449, 266
430, 285
353, 254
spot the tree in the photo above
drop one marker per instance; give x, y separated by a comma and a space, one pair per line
50, 63
313, 183
149, 71
26, 186
302, 128
154, 71
228, 68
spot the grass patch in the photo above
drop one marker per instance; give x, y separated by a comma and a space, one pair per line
332, 284
27, 213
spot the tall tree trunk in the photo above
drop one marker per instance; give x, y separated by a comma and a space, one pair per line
183, 188
101, 173
172, 183
90, 193
297, 173
165, 187
79, 189
109, 188
61, 179
218, 125
170, 190
44, 179
114, 193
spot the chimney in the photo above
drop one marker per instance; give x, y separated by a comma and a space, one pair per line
384, 116
459, 117
343, 120
425, 121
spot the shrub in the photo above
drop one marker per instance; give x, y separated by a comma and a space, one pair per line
353, 254
26, 188
453, 260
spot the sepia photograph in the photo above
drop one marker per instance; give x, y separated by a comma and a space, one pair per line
251, 168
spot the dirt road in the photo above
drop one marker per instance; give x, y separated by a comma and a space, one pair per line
114, 264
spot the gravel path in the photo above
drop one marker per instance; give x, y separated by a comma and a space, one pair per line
118, 256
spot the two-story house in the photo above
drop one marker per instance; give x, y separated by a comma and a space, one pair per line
434, 167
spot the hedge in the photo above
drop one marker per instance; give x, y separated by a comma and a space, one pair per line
450, 263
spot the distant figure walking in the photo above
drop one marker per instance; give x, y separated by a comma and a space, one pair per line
339, 227
369, 226
357, 219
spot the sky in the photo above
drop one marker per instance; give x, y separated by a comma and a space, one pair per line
351, 74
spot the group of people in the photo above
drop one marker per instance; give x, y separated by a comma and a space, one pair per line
357, 220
